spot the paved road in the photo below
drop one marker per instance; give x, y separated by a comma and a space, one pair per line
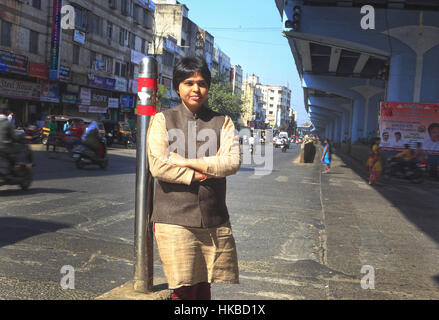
300, 234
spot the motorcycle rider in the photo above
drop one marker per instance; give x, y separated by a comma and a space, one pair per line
91, 139
404, 158
251, 142
11, 144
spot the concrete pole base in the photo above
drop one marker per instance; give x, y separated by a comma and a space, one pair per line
127, 292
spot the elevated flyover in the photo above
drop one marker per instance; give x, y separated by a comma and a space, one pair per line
352, 54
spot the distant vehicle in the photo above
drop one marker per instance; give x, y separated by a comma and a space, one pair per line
283, 134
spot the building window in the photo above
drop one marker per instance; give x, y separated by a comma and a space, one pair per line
6, 34
108, 64
123, 70
124, 7
33, 42
80, 18
109, 30
131, 40
96, 24
36, 4
112, 4
75, 58
168, 58
122, 33
93, 60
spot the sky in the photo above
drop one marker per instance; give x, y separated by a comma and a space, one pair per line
250, 33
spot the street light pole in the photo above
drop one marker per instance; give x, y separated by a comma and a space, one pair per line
143, 238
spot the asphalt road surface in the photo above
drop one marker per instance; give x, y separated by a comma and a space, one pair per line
300, 234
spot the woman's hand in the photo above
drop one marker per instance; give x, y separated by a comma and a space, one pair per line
179, 161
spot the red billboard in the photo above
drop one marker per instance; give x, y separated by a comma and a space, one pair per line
408, 123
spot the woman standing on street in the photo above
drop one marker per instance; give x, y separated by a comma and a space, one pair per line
191, 150
374, 162
326, 156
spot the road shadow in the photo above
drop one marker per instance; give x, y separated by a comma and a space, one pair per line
420, 208
61, 166
31, 191
13, 230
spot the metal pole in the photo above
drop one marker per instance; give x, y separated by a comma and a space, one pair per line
143, 238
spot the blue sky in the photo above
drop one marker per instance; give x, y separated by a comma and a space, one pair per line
249, 32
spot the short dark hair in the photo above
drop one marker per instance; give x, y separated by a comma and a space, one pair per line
186, 67
431, 126
398, 133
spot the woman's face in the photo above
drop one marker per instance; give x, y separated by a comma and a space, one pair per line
193, 91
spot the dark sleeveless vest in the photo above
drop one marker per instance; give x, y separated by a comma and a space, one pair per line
201, 204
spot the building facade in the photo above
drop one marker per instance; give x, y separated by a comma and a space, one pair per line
254, 112
236, 79
277, 101
86, 66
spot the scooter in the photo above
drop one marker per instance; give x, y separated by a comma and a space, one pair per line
415, 174
284, 147
20, 174
34, 132
82, 155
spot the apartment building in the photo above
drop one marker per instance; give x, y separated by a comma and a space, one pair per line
88, 67
172, 20
254, 112
236, 79
277, 101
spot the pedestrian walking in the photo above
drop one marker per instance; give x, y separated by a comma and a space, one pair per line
53, 129
326, 156
374, 162
191, 221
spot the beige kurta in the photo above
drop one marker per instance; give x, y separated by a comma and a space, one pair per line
193, 255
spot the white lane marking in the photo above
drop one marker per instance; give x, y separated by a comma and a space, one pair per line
282, 179
273, 295
274, 280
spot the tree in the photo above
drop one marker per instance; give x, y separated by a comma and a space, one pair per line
221, 98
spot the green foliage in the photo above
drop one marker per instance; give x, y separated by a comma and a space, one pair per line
221, 98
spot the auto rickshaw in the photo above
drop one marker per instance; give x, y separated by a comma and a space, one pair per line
126, 135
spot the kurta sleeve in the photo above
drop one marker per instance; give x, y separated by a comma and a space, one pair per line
228, 158
158, 154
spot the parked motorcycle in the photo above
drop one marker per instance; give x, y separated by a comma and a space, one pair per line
414, 173
34, 132
82, 155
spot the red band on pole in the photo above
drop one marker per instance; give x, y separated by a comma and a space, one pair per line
146, 110
146, 83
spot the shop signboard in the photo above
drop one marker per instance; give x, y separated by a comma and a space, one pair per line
408, 123
10, 88
132, 86
99, 98
69, 98
55, 40
64, 73
113, 103
82, 108
85, 96
136, 57
102, 82
120, 84
126, 101
79, 36
49, 92
38, 70
12, 62
93, 109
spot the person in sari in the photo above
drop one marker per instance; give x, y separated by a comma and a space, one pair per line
374, 162
326, 156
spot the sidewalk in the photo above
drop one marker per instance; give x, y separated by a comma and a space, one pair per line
393, 228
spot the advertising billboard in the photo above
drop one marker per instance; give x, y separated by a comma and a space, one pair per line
408, 123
